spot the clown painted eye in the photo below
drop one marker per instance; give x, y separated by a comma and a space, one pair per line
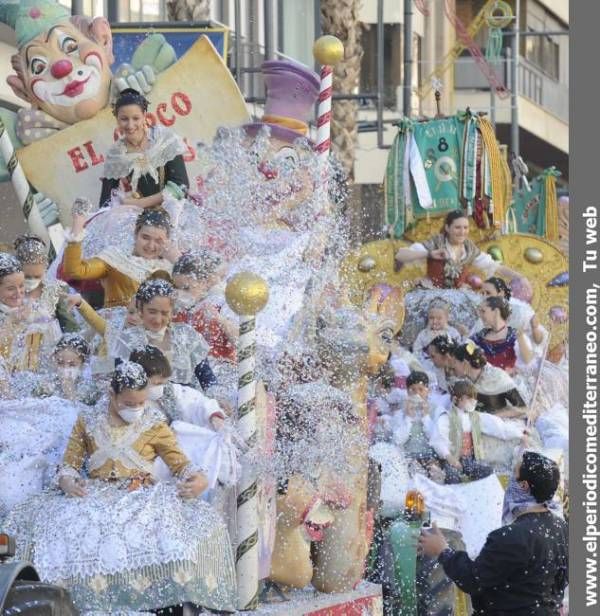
37, 66
387, 336
288, 155
68, 44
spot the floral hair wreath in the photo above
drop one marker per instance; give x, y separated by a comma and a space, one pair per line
130, 96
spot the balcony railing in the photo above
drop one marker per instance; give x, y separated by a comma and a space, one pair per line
551, 95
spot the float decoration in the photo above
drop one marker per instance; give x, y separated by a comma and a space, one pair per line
445, 164
247, 294
73, 124
536, 210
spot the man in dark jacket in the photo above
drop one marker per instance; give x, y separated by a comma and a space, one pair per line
522, 570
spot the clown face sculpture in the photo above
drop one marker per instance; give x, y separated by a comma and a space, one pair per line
292, 92
63, 64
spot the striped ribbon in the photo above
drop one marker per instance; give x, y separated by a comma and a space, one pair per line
246, 556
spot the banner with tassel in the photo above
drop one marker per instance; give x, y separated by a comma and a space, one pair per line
536, 210
445, 164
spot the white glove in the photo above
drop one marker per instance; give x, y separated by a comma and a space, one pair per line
141, 80
47, 208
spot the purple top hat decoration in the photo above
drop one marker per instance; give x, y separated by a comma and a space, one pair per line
292, 92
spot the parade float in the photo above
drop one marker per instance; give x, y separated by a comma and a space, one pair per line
317, 321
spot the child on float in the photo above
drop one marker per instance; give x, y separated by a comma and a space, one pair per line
457, 436
197, 420
66, 375
438, 315
411, 422
46, 298
183, 346
438, 366
37, 414
401, 363
123, 541
21, 342
195, 276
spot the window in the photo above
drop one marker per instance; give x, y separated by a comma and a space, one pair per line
544, 53
392, 62
297, 30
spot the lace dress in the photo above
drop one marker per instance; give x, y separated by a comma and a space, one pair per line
126, 545
33, 439
187, 349
27, 343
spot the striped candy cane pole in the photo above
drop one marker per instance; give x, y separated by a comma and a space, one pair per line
54, 233
324, 115
328, 51
246, 295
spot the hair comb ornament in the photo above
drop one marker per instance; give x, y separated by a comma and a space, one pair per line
470, 348
81, 207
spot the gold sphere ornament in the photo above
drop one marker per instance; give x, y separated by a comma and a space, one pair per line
246, 293
328, 50
496, 253
534, 255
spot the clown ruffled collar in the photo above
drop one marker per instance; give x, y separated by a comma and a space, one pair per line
35, 124
164, 145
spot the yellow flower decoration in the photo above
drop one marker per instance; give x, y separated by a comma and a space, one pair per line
470, 348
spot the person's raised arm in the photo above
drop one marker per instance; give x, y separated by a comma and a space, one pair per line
74, 266
416, 252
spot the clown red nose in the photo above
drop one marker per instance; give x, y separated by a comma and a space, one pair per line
61, 69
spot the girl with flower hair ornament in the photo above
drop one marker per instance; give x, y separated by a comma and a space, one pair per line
496, 391
183, 346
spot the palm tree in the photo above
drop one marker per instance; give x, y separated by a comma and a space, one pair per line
340, 18
188, 10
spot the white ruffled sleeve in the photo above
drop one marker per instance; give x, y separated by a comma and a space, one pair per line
497, 427
194, 407
440, 439
484, 262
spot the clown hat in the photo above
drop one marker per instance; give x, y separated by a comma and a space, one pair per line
292, 92
31, 18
